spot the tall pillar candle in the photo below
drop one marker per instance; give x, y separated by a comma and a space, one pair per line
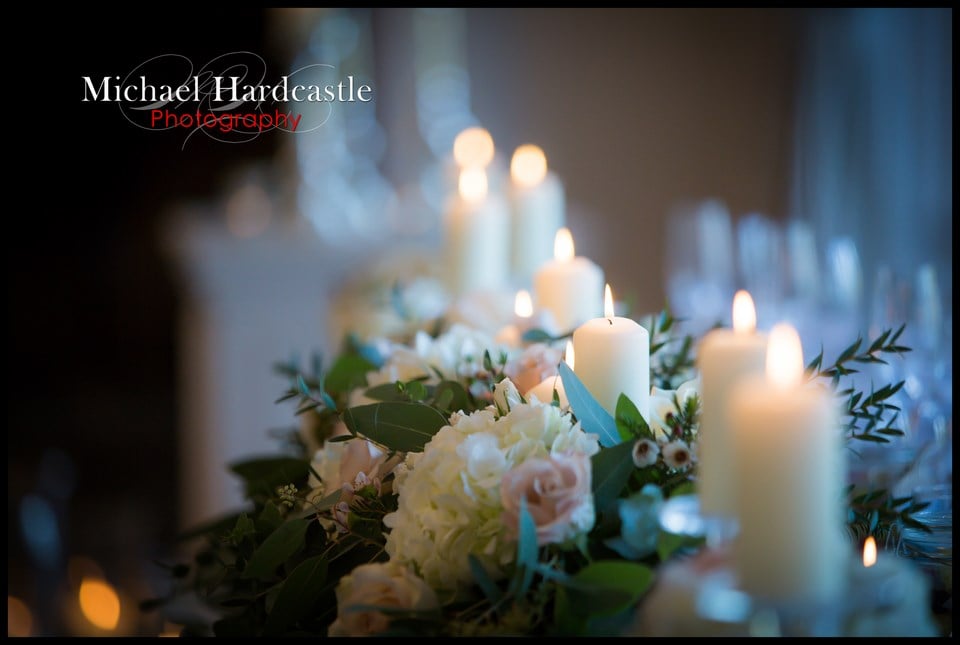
613, 357
476, 236
788, 451
570, 287
537, 212
724, 357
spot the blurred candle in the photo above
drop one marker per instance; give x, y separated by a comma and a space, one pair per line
724, 357
613, 358
476, 236
473, 148
544, 390
788, 452
537, 204
568, 286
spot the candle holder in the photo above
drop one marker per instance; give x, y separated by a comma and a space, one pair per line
682, 515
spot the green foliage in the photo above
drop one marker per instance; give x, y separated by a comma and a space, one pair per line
273, 569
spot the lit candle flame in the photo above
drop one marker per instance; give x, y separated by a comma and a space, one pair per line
784, 357
563, 245
100, 603
528, 166
523, 304
473, 148
473, 184
608, 302
568, 355
869, 552
744, 313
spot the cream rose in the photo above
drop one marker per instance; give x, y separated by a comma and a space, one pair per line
537, 362
389, 585
557, 489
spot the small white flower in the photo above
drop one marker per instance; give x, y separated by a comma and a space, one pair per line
676, 454
688, 390
505, 396
661, 409
645, 453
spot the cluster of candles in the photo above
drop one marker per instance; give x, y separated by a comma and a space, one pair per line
771, 456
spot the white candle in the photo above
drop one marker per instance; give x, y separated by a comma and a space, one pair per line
544, 390
613, 358
890, 596
568, 286
724, 357
537, 204
788, 452
512, 334
477, 236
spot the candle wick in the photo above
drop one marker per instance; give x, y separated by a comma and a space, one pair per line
610, 321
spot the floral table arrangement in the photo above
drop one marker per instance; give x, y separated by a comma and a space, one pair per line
433, 489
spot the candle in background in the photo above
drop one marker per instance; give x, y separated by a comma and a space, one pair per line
788, 453
512, 334
537, 204
889, 596
473, 148
613, 357
724, 357
544, 390
476, 236
569, 287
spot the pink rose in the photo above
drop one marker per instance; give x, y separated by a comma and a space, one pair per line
388, 585
536, 363
557, 489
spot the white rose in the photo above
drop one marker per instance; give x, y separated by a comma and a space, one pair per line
388, 585
557, 490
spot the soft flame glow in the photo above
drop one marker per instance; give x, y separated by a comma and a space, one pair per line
473, 184
528, 166
523, 304
744, 313
568, 355
869, 552
563, 245
19, 618
99, 603
608, 311
784, 357
473, 148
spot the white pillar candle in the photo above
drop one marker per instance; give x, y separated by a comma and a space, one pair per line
476, 236
537, 211
568, 286
613, 358
788, 452
724, 357
544, 390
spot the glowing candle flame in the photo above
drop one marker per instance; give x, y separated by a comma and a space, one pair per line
100, 603
608, 302
473, 148
563, 245
568, 355
744, 313
19, 618
869, 552
528, 166
523, 304
473, 184
784, 357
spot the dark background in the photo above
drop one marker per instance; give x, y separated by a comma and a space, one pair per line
92, 303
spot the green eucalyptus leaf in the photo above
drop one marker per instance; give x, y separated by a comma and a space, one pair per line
298, 595
397, 425
279, 545
348, 372
592, 416
611, 469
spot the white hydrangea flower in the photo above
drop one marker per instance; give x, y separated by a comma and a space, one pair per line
449, 502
